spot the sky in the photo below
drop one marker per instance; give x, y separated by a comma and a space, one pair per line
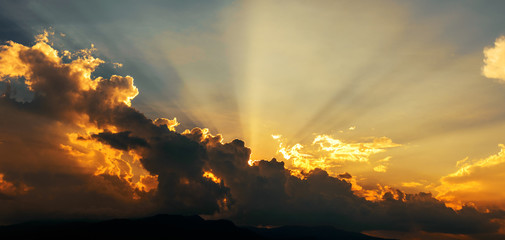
387, 114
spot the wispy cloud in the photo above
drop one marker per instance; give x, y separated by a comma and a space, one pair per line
331, 154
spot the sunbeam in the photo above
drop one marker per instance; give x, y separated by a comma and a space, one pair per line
378, 117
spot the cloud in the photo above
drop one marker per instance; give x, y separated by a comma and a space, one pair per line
268, 193
332, 154
169, 123
120, 140
8, 189
494, 60
476, 182
79, 150
380, 168
82, 149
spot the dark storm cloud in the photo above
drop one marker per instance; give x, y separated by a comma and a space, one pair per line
87, 182
267, 194
120, 140
50, 175
345, 175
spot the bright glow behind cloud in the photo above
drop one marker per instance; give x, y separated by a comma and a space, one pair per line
334, 155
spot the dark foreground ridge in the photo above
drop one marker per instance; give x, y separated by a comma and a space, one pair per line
169, 227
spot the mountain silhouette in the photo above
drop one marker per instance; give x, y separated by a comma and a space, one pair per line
169, 227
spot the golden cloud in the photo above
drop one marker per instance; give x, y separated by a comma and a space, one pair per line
494, 60
478, 182
169, 123
329, 154
67, 94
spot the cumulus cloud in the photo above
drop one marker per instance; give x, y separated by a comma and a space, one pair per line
268, 193
494, 60
78, 149
83, 151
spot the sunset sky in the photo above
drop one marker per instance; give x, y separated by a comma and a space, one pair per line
395, 108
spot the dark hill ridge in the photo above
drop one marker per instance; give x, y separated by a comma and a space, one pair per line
169, 227
313, 233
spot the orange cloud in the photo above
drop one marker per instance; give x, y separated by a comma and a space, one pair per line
101, 159
147, 183
52, 145
10, 189
477, 182
211, 176
169, 123
41, 68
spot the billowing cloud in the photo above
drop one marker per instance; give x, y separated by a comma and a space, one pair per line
78, 149
268, 193
83, 151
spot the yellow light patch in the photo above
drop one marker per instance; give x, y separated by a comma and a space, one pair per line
99, 158
211, 176
328, 153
